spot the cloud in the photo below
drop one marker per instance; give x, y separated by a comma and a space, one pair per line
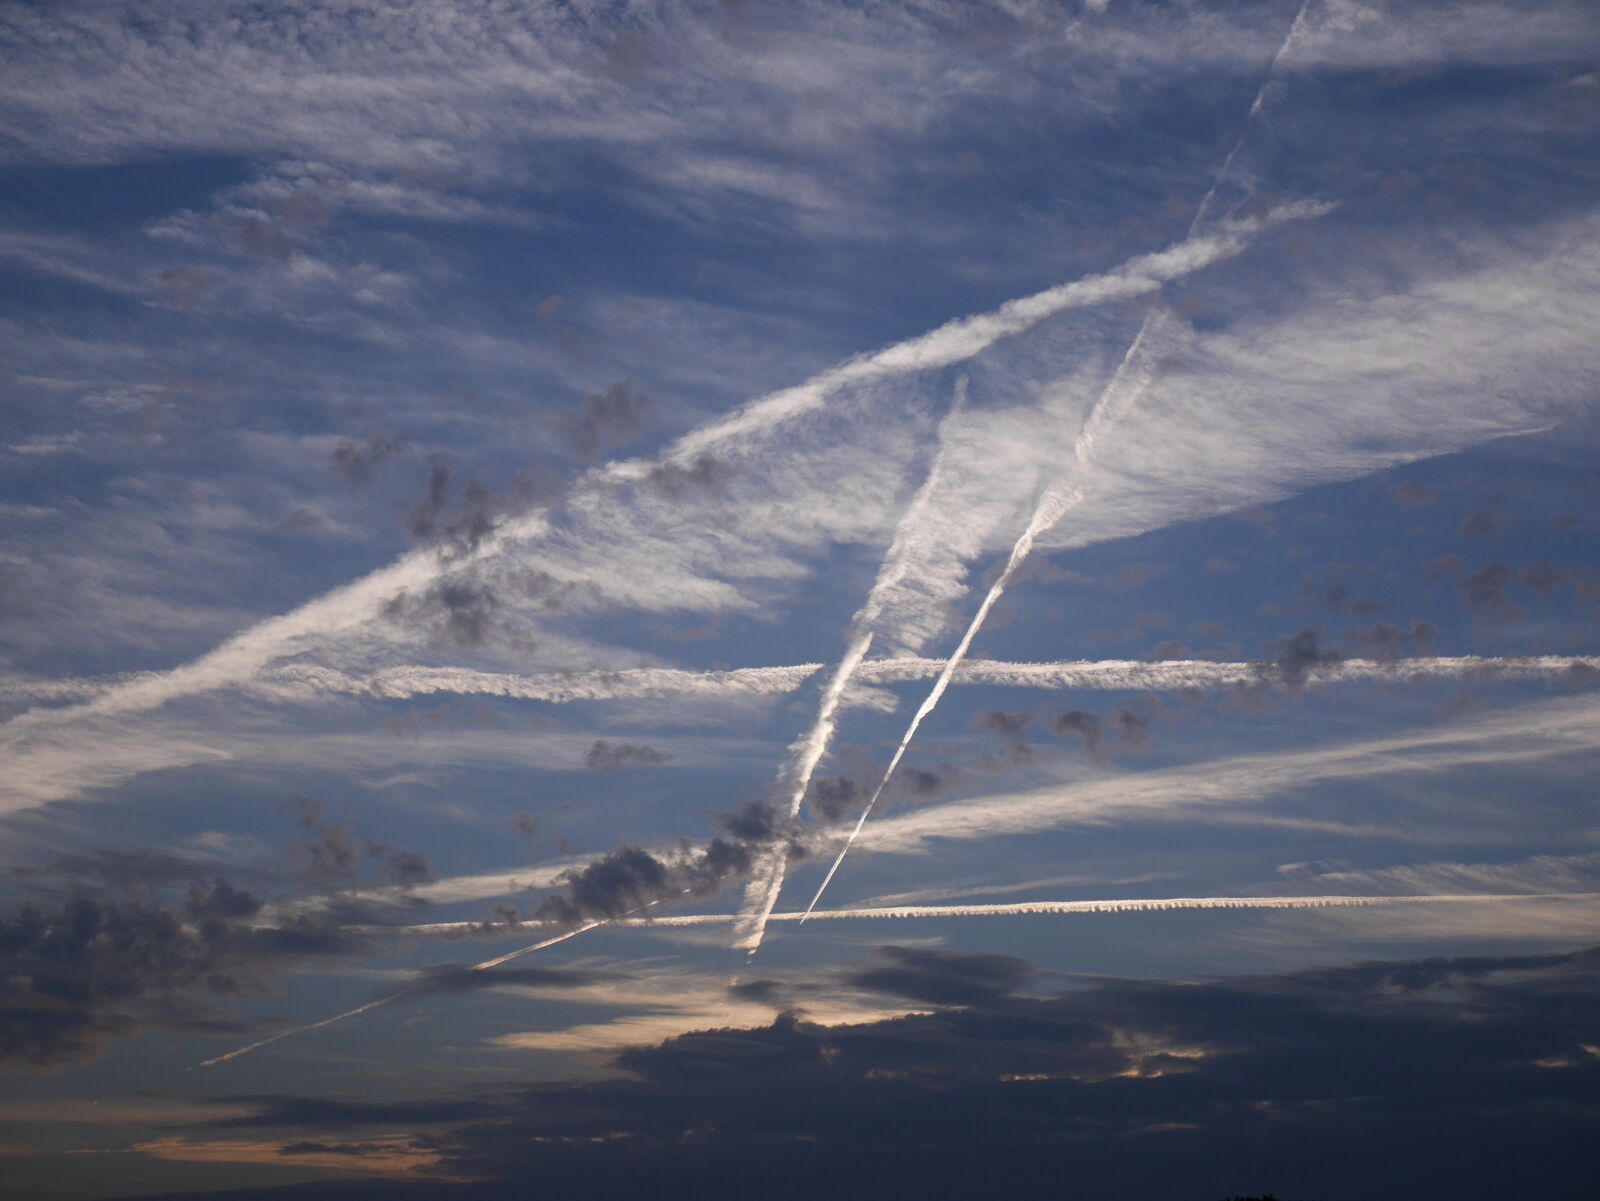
1483, 522
90, 969
612, 756
938, 977
1008, 725
1294, 658
354, 461
1484, 592
1143, 1087
606, 420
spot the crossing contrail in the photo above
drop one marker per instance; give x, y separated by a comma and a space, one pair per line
249, 654
766, 884
1130, 380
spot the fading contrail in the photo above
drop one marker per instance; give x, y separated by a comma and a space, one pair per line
1127, 384
424, 986
1027, 908
766, 884
395, 996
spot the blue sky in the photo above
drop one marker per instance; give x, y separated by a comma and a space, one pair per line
474, 473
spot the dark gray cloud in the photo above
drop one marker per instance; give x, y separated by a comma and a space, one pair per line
1483, 522
1548, 577
613, 756
631, 879
919, 782
939, 977
1414, 495
1543, 577
1467, 1078
1484, 592
1332, 589
77, 974
835, 797
1082, 723
606, 420
331, 853
459, 528
354, 461
1288, 661
704, 478
1484, 589
335, 858
1132, 729
754, 821
1122, 731
1442, 568
423, 522
1387, 641
1009, 725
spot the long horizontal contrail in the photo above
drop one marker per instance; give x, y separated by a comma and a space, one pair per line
401, 683
1027, 908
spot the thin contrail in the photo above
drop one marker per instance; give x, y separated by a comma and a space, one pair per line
1027, 908
766, 884
762, 893
1127, 384
414, 989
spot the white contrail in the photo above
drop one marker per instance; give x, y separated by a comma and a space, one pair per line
766, 884
762, 893
1028, 908
1125, 387
395, 996
1056, 501
423, 986
961, 339
399, 683
247, 654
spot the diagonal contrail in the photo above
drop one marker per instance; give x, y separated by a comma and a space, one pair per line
1127, 384
414, 989
761, 893
248, 654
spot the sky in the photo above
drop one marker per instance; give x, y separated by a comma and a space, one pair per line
908, 599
